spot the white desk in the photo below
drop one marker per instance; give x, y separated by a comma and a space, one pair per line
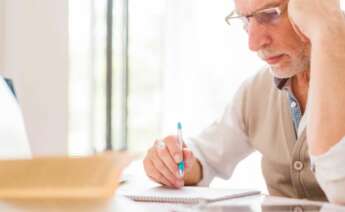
120, 203
251, 203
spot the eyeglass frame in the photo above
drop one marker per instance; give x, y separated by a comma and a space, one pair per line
245, 18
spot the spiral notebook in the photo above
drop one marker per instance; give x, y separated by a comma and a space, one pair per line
188, 194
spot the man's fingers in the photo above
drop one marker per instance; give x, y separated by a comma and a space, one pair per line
161, 162
188, 158
154, 174
160, 179
299, 33
174, 148
167, 159
164, 170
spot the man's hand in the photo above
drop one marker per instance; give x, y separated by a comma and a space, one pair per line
323, 23
161, 161
312, 17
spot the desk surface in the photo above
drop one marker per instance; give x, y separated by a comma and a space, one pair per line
120, 203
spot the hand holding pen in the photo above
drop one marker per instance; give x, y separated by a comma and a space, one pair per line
169, 160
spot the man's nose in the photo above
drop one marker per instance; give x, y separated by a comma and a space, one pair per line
258, 36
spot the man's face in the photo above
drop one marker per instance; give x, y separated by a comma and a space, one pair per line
276, 43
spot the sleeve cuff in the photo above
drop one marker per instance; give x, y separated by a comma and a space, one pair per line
207, 173
330, 172
330, 165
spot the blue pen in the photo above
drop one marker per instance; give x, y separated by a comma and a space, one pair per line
180, 140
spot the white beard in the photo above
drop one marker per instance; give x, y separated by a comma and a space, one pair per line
300, 65
286, 73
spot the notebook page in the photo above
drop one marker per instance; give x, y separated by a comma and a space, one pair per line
187, 194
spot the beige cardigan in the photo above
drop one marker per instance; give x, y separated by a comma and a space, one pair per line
268, 124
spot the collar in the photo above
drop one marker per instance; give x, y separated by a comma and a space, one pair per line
282, 84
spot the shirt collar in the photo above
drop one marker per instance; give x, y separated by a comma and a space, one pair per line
282, 84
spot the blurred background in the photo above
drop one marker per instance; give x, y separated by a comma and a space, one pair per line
99, 74
172, 61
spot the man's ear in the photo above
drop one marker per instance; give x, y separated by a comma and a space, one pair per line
300, 34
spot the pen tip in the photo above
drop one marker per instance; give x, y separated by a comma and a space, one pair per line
179, 125
181, 172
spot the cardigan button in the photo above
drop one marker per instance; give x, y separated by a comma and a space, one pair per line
298, 165
293, 104
298, 209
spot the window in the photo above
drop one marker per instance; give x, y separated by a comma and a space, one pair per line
184, 64
87, 29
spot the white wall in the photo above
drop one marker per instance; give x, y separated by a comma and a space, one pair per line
34, 53
2, 23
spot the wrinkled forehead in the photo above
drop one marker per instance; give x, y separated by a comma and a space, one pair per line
249, 6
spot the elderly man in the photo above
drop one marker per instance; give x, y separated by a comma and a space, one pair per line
291, 111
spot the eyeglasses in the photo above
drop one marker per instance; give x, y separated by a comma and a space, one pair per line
265, 16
